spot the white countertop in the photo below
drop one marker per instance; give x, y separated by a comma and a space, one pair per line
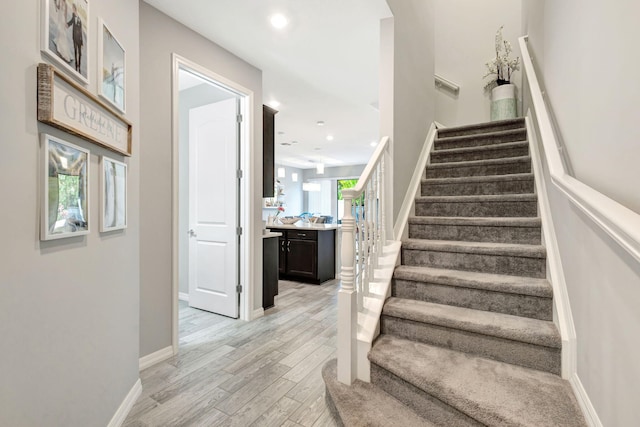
267, 234
305, 226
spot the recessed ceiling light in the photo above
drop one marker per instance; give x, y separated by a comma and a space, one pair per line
294, 142
374, 143
280, 132
279, 21
285, 143
273, 103
320, 123
329, 137
317, 149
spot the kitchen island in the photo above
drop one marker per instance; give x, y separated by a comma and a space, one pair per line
307, 252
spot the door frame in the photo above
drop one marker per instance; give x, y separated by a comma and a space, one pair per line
246, 141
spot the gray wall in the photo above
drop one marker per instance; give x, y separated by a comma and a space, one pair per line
587, 47
413, 92
68, 307
160, 36
465, 38
597, 122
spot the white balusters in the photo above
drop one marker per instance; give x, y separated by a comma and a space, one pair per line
363, 237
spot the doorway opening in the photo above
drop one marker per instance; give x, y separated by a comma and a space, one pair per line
211, 140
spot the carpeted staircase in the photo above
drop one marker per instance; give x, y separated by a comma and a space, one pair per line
467, 337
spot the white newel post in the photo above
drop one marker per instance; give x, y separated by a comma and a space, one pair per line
347, 311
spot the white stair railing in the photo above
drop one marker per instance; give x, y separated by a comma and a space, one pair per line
363, 240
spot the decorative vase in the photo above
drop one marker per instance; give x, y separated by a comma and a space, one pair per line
503, 102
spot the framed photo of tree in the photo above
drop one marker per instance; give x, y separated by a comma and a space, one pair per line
65, 189
111, 68
113, 194
65, 35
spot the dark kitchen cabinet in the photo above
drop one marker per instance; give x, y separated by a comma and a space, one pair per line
307, 255
269, 271
268, 150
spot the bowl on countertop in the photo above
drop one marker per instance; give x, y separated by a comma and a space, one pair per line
289, 220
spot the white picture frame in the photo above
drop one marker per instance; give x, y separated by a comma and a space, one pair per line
113, 194
111, 68
59, 36
65, 202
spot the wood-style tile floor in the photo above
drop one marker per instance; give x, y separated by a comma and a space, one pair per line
234, 373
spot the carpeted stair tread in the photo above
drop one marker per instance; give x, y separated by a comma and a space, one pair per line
504, 249
485, 138
515, 328
478, 128
479, 179
363, 404
485, 151
485, 221
491, 392
531, 197
484, 162
470, 279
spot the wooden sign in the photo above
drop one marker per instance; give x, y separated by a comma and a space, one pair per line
64, 104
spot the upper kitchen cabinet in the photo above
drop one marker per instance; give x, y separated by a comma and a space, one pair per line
268, 150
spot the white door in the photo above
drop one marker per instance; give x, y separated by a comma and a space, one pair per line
213, 207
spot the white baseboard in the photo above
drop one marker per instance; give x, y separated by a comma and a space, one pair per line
183, 296
590, 414
126, 405
156, 357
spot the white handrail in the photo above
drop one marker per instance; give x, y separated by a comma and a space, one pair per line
448, 84
362, 243
619, 222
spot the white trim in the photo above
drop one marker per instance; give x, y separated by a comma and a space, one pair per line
247, 208
408, 204
183, 296
440, 125
619, 222
555, 273
123, 410
156, 357
258, 312
590, 414
369, 316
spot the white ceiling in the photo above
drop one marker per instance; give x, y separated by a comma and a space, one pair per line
322, 66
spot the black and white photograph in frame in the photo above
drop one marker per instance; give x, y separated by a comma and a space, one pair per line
65, 189
113, 194
111, 67
64, 31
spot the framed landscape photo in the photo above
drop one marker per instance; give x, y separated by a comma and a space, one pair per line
111, 68
65, 35
65, 189
113, 194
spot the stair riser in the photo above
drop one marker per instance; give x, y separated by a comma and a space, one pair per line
479, 170
479, 140
425, 405
498, 153
476, 233
500, 349
485, 263
478, 299
478, 188
478, 209
451, 132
